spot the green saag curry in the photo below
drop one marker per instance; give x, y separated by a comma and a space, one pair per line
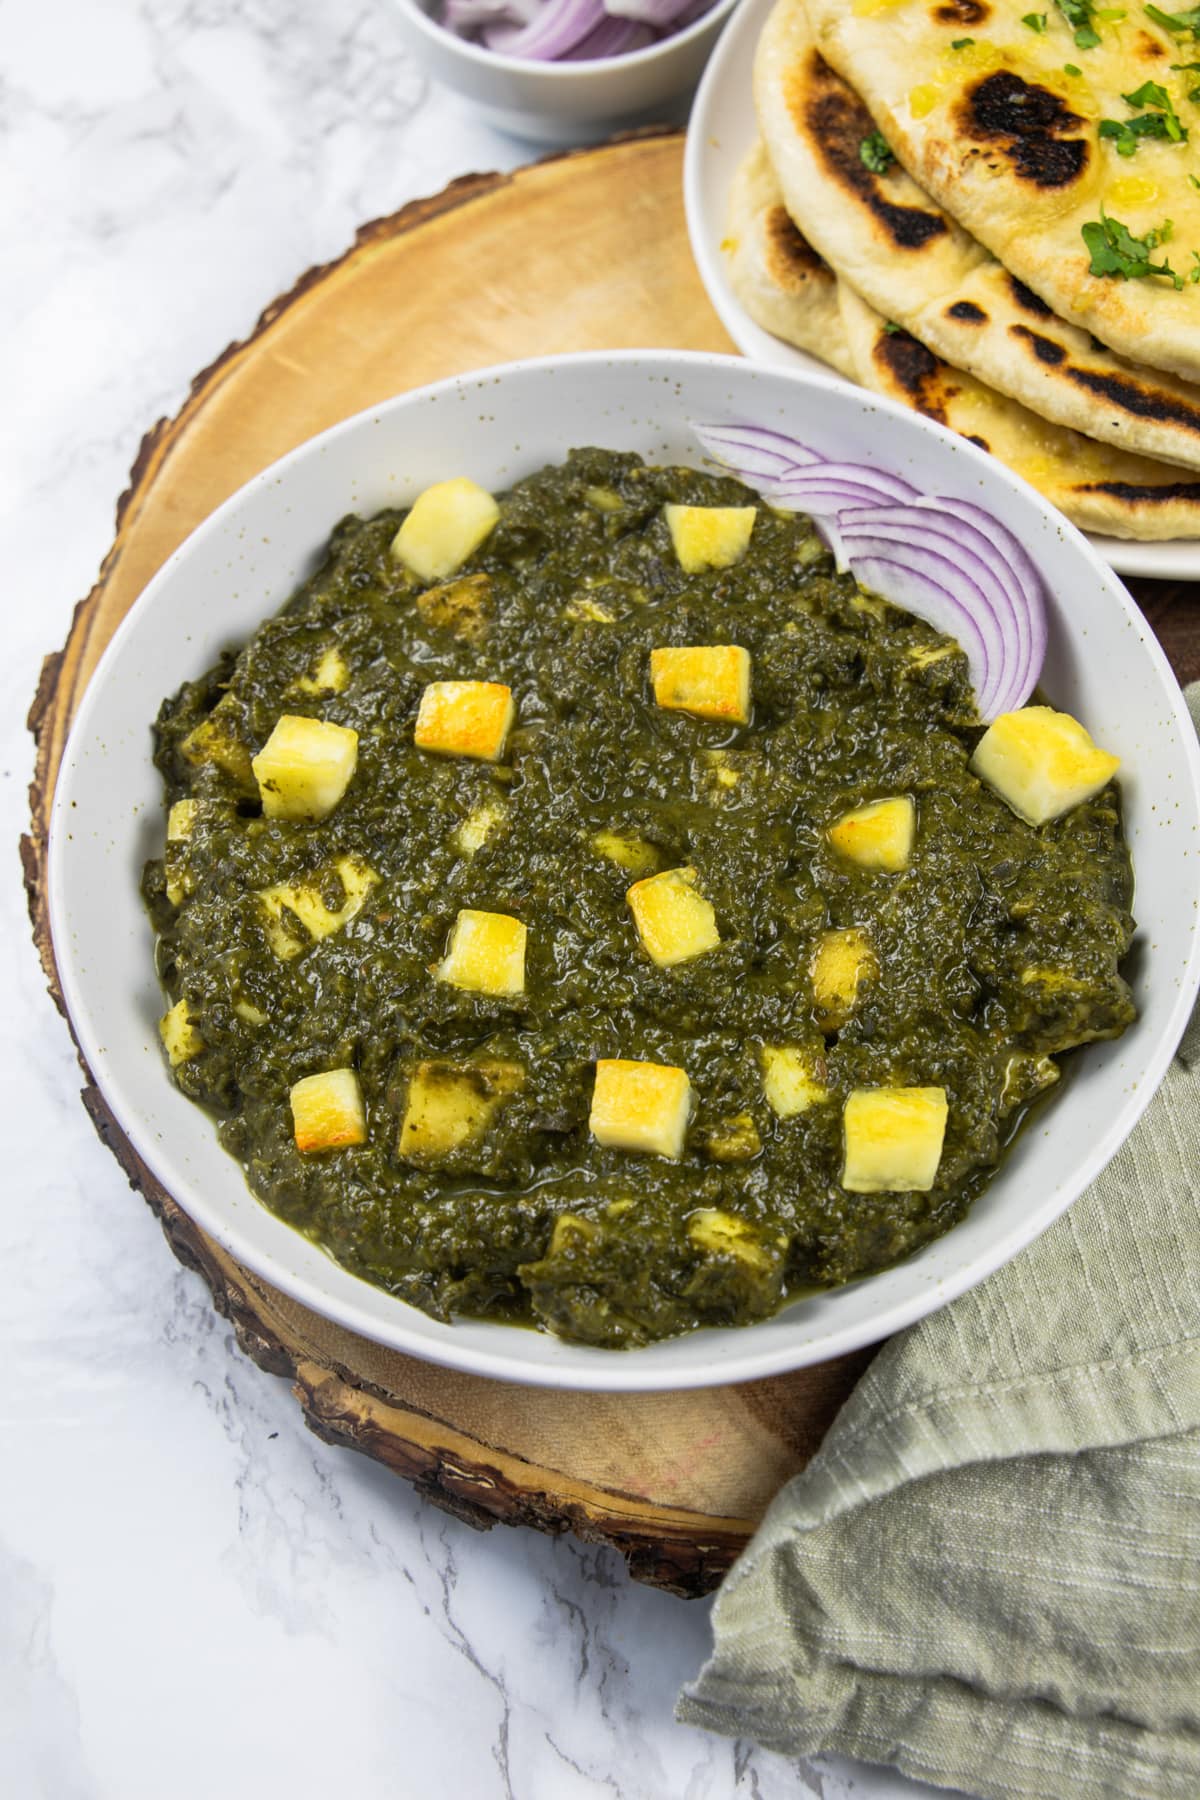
292, 947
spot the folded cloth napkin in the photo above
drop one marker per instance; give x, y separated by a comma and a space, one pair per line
989, 1576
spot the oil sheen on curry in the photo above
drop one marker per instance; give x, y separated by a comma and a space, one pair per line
583, 907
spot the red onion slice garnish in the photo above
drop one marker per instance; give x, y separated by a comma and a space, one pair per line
754, 453
948, 561
569, 30
557, 28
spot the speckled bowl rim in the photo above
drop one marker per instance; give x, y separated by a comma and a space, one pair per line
114, 1029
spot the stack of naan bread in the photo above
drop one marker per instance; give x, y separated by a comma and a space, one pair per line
914, 214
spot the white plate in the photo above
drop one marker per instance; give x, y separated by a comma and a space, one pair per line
721, 130
1103, 663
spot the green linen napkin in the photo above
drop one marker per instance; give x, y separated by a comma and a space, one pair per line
989, 1576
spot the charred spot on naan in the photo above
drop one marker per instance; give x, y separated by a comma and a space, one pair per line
1027, 300
1029, 123
792, 263
967, 313
1044, 348
916, 372
1126, 392
961, 12
1145, 45
836, 122
1134, 495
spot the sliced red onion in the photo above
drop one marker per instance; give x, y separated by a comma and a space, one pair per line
659, 13
466, 16
874, 486
557, 28
948, 561
753, 453
612, 37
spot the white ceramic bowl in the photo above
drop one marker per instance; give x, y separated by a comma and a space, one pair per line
497, 425
565, 102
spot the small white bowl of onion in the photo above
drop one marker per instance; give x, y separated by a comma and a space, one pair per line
566, 71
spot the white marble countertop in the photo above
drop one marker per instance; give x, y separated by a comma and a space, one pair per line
197, 1597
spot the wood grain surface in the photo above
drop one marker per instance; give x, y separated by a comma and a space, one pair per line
585, 251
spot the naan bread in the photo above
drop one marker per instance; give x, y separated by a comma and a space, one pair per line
908, 258
776, 274
1003, 136
1097, 487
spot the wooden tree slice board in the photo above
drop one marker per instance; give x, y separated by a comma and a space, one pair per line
585, 251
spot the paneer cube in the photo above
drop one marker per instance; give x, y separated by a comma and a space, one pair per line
465, 718
878, 835
723, 1234
486, 954
640, 1106
217, 739
1041, 762
328, 1111
710, 681
674, 921
180, 1038
841, 963
328, 675
794, 1077
305, 767
460, 607
894, 1139
709, 537
627, 850
483, 819
734, 1139
181, 821
450, 1106
297, 914
448, 522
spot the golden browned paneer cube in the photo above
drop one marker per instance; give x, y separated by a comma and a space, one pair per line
328, 1112
305, 767
841, 963
893, 1139
710, 681
640, 1106
302, 902
709, 537
486, 954
181, 821
450, 1105
181, 1040
465, 718
1041, 762
448, 522
878, 835
459, 606
794, 1076
722, 1234
329, 674
674, 921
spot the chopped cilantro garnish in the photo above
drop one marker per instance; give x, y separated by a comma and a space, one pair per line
1162, 122
1071, 69
1035, 21
1079, 15
891, 328
961, 43
1189, 69
1179, 24
1195, 181
1115, 251
876, 153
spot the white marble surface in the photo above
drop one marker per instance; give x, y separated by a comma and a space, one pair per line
196, 1597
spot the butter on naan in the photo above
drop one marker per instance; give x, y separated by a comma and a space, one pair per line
1097, 487
1007, 139
909, 259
